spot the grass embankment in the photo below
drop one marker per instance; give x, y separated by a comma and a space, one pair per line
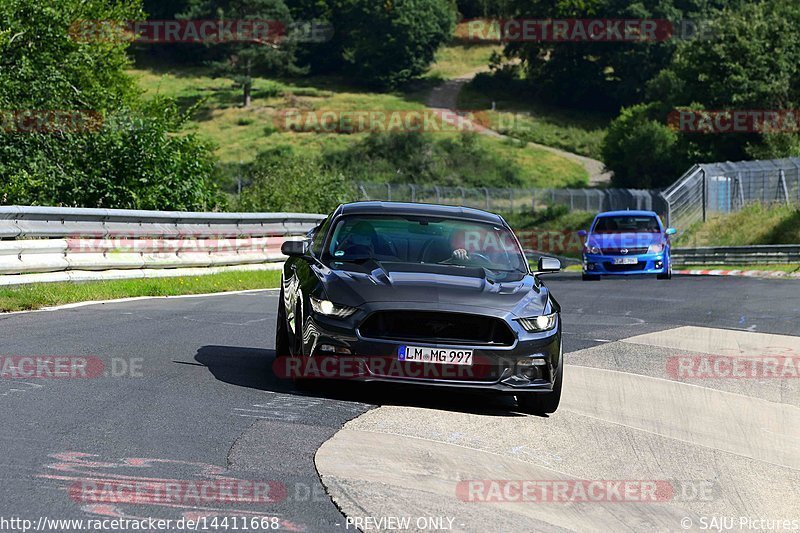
241, 133
755, 224
36, 296
518, 115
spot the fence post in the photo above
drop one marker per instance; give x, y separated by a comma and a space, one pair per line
413, 193
782, 185
438, 194
705, 193
511, 198
486, 192
389, 192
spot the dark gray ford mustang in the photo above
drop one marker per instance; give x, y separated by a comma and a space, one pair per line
420, 294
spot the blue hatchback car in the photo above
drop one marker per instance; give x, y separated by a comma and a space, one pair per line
623, 243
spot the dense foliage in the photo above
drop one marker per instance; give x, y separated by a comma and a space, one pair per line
423, 159
751, 61
377, 43
127, 153
281, 181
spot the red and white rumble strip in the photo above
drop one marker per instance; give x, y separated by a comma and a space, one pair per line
742, 273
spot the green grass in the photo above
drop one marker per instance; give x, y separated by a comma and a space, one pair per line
518, 114
456, 60
36, 296
791, 268
755, 224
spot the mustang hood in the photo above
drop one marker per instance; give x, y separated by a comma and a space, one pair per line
442, 287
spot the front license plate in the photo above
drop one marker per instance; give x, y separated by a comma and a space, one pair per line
445, 356
626, 261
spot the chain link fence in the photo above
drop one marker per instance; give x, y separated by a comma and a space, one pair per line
515, 200
727, 187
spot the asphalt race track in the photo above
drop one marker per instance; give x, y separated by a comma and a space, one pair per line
180, 393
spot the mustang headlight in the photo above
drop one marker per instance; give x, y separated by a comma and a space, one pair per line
536, 324
655, 248
328, 308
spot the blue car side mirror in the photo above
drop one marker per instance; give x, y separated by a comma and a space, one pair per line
671, 231
582, 233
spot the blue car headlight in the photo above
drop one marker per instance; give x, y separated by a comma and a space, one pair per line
536, 324
655, 248
594, 250
328, 308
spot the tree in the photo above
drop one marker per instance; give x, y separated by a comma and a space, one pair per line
602, 74
241, 60
378, 43
128, 154
752, 62
641, 151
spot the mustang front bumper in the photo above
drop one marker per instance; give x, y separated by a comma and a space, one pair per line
336, 350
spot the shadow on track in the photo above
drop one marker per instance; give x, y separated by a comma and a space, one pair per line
253, 368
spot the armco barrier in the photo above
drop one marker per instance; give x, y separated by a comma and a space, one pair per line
53, 244
737, 255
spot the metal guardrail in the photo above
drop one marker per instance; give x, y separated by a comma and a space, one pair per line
737, 255
76, 243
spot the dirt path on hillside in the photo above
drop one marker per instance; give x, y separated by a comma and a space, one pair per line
445, 97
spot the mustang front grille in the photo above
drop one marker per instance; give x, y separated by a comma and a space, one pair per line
437, 327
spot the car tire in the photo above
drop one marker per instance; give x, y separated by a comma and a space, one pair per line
542, 403
666, 275
590, 277
303, 384
281, 335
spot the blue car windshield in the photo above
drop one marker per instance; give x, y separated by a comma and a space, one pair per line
426, 240
627, 224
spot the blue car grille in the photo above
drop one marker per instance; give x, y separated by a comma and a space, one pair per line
630, 251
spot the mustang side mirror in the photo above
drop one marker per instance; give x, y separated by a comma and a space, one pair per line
582, 233
549, 265
671, 231
294, 248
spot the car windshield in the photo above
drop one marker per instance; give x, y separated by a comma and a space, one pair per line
627, 224
426, 241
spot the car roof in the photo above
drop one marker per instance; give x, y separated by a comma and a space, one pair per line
628, 213
434, 210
